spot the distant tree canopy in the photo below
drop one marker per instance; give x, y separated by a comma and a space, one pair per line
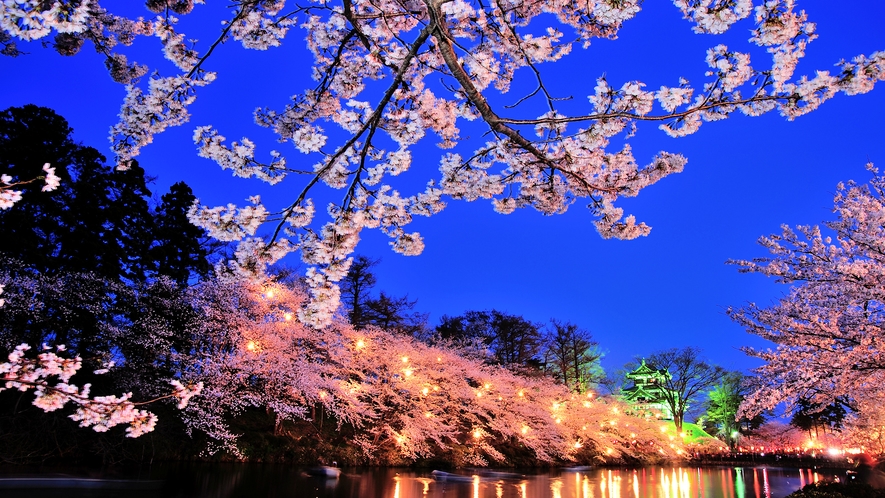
395, 314
512, 340
99, 220
572, 356
814, 418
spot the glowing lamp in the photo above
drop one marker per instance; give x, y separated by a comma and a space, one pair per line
288, 317
360, 344
405, 359
477, 434
425, 391
251, 346
524, 430
269, 294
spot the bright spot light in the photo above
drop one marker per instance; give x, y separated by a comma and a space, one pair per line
288, 317
405, 359
425, 391
478, 394
615, 410
586, 404
251, 346
609, 451
578, 444
589, 395
428, 414
408, 372
521, 394
524, 430
487, 386
360, 344
323, 394
269, 294
477, 434
439, 358
632, 434
558, 420
663, 429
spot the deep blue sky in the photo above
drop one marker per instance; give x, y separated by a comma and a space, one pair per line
745, 177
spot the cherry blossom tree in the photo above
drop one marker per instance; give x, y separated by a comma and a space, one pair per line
387, 72
828, 330
400, 398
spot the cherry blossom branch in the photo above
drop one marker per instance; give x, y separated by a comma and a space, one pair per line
49, 376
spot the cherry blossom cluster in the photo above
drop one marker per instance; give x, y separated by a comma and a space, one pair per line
828, 330
9, 196
49, 376
389, 74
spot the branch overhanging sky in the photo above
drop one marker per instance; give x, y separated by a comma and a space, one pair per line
745, 177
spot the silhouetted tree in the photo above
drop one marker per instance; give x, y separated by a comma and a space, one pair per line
572, 356
512, 340
690, 377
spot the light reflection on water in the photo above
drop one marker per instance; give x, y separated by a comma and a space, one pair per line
258, 481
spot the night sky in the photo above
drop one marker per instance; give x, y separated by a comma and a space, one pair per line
745, 177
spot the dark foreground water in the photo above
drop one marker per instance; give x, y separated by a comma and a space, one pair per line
259, 481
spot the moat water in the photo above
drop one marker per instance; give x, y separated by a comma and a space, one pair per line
272, 481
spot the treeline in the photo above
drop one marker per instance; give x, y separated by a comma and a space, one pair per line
121, 277
559, 349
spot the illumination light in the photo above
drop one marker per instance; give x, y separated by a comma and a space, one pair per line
288, 317
251, 346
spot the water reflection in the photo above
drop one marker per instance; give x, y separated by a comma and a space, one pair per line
259, 481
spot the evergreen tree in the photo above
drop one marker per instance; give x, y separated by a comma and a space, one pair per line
180, 250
